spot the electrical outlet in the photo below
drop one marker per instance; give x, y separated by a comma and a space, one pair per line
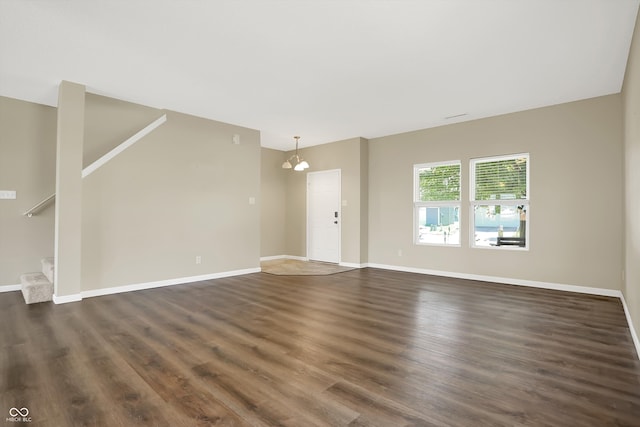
399, 252
198, 259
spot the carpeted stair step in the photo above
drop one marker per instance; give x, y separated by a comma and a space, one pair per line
36, 288
47, 267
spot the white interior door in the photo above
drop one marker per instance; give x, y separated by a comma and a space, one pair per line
323, 216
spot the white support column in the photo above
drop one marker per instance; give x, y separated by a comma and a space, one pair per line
68, 219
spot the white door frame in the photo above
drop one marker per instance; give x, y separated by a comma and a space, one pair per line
339, 211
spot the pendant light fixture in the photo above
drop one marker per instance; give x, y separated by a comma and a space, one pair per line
295, 161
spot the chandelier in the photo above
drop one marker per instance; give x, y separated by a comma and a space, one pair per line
295, 161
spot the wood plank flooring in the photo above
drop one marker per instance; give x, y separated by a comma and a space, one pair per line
362, 348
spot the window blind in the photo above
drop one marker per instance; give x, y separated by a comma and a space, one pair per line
501, 179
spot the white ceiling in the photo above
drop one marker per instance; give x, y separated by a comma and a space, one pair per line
325, 70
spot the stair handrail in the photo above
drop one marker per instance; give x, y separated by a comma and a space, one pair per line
38, 207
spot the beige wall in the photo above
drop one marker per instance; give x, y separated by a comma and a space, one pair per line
576, 194
364, 201
182, 191
631, 97
67, 278
347, 156
273, 199
27, 165
101, 115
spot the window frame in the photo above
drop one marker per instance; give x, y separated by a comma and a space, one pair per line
417, 203
502, 202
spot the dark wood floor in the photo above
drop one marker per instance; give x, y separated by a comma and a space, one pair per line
363, 348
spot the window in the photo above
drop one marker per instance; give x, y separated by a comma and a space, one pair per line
437, 203
500, 201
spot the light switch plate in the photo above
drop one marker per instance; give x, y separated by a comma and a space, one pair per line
7, 194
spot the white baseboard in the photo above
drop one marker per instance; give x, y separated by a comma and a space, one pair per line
352, 265
64, 299
505, 280
530, 283
271, 258
162, 283
634, 335
10, 288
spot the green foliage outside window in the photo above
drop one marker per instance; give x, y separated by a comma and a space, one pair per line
438, 183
